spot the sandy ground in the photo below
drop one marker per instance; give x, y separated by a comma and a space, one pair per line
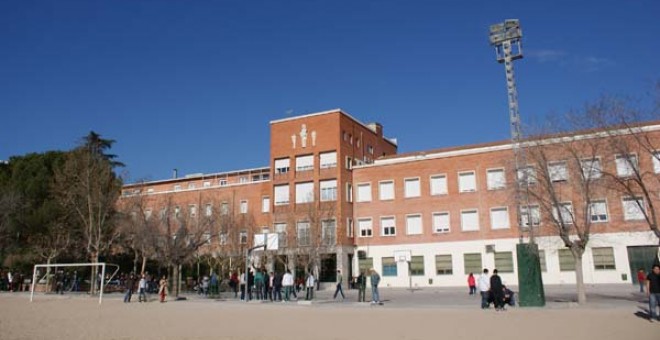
51, 317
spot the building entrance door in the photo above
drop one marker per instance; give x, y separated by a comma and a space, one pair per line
641, 257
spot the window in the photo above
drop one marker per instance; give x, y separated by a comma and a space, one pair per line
147, 214
389, 266
329, 232
467, 182
417, 266
207, 238
305, 192
222, 182
191, 185
208, 210
365, 227
504, 261
414, 224
558, 171
527, 172
443, 265
242, 237
328, 160
192, 210
349, 227
280, 229
525, 213
243, 179
177, 187
632, 208
177, 211
591, 168
282, 165
206, 184
598, 211
412, 187
349, 192
655, 157
386, 190
328, 190
499, 218
282, 194
349, 163
244, 207
495, 179
265, 204
303, 234
472, 263
563, 213
544, 268
370, 149
469, 220
387, 226
603, 258
223, 239
625, 165
438, 185
224, 208
441, 222
364, 192
304, 163
365, 265
150, 191
566, 260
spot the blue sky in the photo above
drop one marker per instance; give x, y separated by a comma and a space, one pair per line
193, 84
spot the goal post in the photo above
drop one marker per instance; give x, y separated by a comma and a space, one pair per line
103, 265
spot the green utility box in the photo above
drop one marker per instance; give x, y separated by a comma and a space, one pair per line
530, 283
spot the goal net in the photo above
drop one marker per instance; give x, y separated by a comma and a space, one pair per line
64, 277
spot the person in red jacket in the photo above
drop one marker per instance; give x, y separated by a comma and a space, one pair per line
472, 284
641, 278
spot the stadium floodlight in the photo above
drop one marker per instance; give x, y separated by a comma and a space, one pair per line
507, 35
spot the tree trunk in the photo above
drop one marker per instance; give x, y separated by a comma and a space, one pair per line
94, 258
135, 262
579, 280
144, 264
48, 275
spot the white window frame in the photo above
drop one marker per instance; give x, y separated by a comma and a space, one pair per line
626, 216
530, 171
308, 236
436, 228
475, 211
306, 196
367, 232
265, 204
304, 163
655, 160
224, 208
421, 224
349, 227
383, 231
591, 211
284, 190
591, 172
192, 210
558, 171
496, 226
567, 219
327, 160
349, 192
208, 210
625, 163
441, 190
461, 189
535, 221
359, 196
412, 192
244, 206
328, 193
492, 184
381, 191
284, 165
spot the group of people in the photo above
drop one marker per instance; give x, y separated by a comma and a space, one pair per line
142, 285
11, 281
492, 290
262, 285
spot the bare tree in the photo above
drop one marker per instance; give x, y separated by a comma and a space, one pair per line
565, 182
137, 226
87, 186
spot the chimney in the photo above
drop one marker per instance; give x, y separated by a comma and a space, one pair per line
377, 128
175, 173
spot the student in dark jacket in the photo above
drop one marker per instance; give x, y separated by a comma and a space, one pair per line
496, 291
277, 287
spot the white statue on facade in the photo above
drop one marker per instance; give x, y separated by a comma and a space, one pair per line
314, 138
303, 136
293, 140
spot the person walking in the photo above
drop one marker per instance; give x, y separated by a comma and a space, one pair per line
129, 288
497, 291
243, 285
362, 286
309, 283
641, 279
340, 280
233, 283
259, 284
142, 289
375, 280
277, 287
287, 282
653, 292
472, 284
162, 288
484, 288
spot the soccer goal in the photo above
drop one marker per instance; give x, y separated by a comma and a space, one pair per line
102, 284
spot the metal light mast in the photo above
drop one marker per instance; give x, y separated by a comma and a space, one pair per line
506, 38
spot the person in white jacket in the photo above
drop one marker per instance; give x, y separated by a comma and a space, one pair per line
287, 283
309, 283
484, 287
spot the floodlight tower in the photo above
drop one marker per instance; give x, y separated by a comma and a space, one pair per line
506, 38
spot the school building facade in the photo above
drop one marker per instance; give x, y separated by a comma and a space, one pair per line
337, 190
